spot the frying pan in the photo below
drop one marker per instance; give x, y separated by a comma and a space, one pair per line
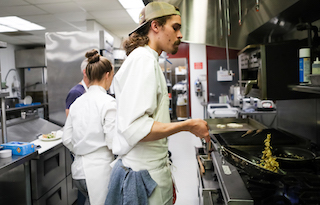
295, 154
289, 157
249, 163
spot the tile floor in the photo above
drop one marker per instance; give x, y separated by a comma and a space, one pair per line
182, 146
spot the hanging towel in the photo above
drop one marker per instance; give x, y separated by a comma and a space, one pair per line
128, 187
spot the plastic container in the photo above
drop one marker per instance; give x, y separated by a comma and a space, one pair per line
315, 79
316, 66
23, 105
5, 153
304, 65
19, 148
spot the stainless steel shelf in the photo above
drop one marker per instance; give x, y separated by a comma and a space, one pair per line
257, 112
26, 107
305, 88
2, 95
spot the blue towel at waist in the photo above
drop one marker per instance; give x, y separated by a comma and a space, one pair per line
128, 187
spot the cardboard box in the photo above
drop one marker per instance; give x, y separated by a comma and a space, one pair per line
19, 148
182, 111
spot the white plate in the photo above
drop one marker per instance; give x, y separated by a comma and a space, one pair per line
50, 139
27, 100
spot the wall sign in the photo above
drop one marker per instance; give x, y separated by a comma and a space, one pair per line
198, 65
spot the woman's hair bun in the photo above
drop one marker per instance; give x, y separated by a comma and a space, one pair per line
93, 56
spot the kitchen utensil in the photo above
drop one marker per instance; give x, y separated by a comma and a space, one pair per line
249, 85
295, 157
207, 163
209, 149
202, 170
247, 133
294, 154
257, 132
249, 163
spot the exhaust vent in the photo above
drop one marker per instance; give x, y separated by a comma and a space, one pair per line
18, 33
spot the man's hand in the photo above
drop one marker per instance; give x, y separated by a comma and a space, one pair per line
199, 128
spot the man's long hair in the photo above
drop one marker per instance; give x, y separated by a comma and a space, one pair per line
140, 37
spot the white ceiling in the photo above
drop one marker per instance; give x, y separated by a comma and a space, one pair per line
65, 15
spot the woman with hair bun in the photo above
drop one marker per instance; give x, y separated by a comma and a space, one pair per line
88, 131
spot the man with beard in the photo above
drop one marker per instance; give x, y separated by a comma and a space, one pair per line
143, 120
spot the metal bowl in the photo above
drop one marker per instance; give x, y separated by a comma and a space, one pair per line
207, 163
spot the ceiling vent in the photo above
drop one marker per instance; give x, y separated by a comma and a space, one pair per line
17, 33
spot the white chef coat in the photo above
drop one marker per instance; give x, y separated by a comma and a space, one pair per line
88, 133
142, 98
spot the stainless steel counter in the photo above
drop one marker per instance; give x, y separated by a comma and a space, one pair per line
23, 130
9, 163
27, 130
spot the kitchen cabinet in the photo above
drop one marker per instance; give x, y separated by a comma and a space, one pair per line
57, 195
262, 69
48, 171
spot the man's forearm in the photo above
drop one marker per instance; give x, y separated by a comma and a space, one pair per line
161, 130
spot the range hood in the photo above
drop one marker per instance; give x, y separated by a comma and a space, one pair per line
262, 21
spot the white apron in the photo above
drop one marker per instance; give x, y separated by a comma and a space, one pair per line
97, 173
153, 155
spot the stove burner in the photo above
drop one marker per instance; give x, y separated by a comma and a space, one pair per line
296, 188
276, 200
310, 198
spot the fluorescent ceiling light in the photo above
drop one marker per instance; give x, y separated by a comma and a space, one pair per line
134, 13
6, 29
131, 4
17, 23
133, 8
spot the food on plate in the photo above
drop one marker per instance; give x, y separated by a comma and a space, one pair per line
49, 136
267, 160
221, 126
234, 125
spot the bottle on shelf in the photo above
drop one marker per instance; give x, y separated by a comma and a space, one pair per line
316, 66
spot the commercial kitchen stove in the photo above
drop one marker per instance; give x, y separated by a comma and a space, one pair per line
300, 186
232, 186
